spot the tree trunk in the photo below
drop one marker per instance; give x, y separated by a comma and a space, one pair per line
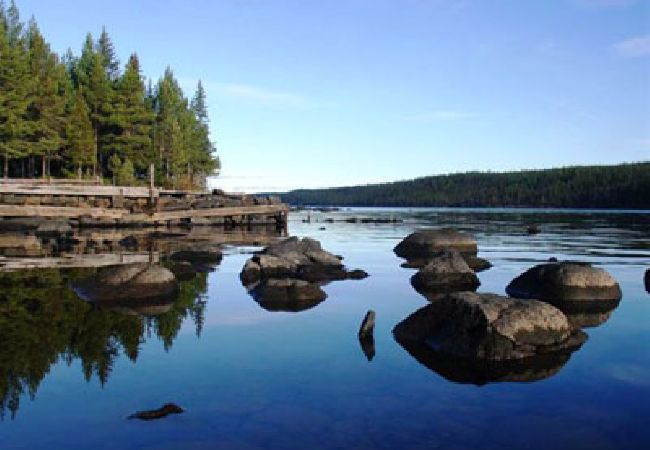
6, 174
43, 166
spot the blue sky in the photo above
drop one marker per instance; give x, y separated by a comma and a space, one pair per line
329, 93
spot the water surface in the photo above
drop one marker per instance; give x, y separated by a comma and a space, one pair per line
71, 373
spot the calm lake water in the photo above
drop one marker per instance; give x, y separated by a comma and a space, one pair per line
248, 378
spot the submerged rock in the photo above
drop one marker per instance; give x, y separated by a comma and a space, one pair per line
489, 327
646, 280
290, 271
128, 282
198, 255
163, 411
447, 271
565, 283
533, 229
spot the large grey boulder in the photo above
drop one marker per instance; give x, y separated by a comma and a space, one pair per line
424, 243
489, 327
287, 275
302, 259
420, 247
448, 272
128, 282
565, 283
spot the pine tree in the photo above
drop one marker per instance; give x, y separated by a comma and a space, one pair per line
46, 111
98, 92
14, 89
80, 135
199, 105
132, 118
109, 61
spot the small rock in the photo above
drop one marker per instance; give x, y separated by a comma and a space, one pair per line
533, 229
163, 411
357, 274
367, 325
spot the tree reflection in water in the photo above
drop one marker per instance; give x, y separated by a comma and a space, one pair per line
42, 322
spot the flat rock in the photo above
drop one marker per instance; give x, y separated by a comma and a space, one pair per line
447, 271
565, 282
426, 243
473, 326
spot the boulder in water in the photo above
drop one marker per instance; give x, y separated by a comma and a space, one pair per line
446, 271
425, 243
291, 271
489, 327
563, 283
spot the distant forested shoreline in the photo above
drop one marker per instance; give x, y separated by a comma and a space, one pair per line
86, 116
624, 186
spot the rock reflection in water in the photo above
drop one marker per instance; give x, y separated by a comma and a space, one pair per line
481, 338
481, 372
42, 320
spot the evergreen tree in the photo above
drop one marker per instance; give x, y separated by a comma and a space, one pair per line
132, 118
47, 101
14, 90
109, 61
98, 92
80, 136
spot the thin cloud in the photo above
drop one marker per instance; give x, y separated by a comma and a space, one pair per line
439, 116
605, 3
635, 47
262, 95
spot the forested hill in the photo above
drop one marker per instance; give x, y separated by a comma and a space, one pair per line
620, 186
88, 115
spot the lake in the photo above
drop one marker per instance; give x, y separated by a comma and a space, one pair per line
71, 373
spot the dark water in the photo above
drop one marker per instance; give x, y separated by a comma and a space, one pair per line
71, 373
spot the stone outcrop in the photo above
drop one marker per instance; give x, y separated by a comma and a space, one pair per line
128, 282
419, 247
291, 271
565, 283
448, 271
489, 327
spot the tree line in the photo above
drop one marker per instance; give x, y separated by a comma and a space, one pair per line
84, 116
619, 186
